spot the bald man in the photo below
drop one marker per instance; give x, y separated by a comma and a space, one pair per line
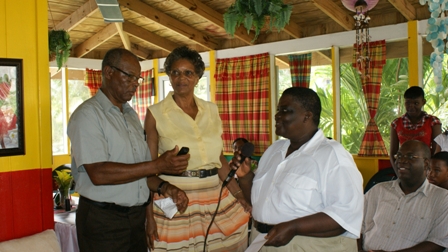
407, 214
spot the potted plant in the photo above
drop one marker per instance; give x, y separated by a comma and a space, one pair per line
59, 44
254, 14
64, 182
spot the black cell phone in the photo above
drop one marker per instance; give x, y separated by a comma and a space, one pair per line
183, 151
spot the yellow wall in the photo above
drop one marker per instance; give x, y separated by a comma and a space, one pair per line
368, 166
24, 35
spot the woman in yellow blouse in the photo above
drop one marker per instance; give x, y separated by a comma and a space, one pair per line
185, 120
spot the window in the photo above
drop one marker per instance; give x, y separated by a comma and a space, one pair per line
320, 82
63, 102
202, 89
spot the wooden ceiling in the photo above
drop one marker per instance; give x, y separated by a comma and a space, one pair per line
153, 28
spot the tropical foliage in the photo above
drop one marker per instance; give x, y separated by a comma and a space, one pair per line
254, 14
354, 113
59, 45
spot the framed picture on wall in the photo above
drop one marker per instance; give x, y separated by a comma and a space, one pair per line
12, 139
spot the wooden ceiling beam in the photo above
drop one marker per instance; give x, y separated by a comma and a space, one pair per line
334, 12
325, 54
292, 29
123, 35
141, 52
216, 18
143, 34
96, 40
405, 8
86, 10
170, 23
282, 61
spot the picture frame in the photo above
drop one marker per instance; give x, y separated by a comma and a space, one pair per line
12, 136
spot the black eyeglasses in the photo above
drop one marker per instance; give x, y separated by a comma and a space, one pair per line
130, 77
407, 156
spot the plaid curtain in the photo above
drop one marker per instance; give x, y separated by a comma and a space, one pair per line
142, 98
93, 80
242, 96
300, 69
372, 142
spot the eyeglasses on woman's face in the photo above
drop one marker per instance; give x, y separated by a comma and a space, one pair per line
130, 77
177, 73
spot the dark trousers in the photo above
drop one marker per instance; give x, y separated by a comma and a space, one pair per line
109, 230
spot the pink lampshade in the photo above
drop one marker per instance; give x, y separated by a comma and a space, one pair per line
350, 4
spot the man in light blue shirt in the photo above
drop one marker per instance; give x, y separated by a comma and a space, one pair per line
112, 165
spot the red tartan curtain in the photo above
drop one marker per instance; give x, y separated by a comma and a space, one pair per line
142, 98
242, 96
372, 142
93, 80
300, 69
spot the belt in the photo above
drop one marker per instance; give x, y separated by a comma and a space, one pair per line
262, 227
111, 206
201, 173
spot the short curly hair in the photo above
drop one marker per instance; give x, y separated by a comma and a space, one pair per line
191, 55
309, 100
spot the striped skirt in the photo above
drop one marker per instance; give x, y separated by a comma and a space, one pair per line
186, 232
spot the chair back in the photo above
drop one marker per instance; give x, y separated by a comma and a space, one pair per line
383, 175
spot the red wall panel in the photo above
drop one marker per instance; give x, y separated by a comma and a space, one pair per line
26, 203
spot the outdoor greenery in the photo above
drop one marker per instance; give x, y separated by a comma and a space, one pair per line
254, 14
354, 113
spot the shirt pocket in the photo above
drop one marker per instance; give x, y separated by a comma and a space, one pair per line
418, 226
296, 191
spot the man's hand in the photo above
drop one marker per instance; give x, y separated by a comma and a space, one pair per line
280, 235
170, 163
179, 197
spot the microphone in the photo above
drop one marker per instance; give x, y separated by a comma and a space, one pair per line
246, 151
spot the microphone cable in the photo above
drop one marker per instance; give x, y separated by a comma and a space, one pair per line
246, 151
213, 217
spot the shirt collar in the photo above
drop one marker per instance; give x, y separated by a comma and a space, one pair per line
170, 104
106, 104
307, 148
406, 117
423, 189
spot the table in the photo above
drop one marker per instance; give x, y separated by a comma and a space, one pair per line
65, 229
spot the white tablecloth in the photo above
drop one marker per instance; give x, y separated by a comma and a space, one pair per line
67, 237
65, 228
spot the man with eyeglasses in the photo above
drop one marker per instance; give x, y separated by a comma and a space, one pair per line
407, 214
112, 166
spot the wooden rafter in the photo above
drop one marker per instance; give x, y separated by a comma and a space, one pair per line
170, 23
282, 61
141, 33
96, 40
216, 18
292, 29
123, 35
86, 10
325, 54
405, 8
140, 51
334, 12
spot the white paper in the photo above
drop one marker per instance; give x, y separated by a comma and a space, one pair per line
168, 207
257, 243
